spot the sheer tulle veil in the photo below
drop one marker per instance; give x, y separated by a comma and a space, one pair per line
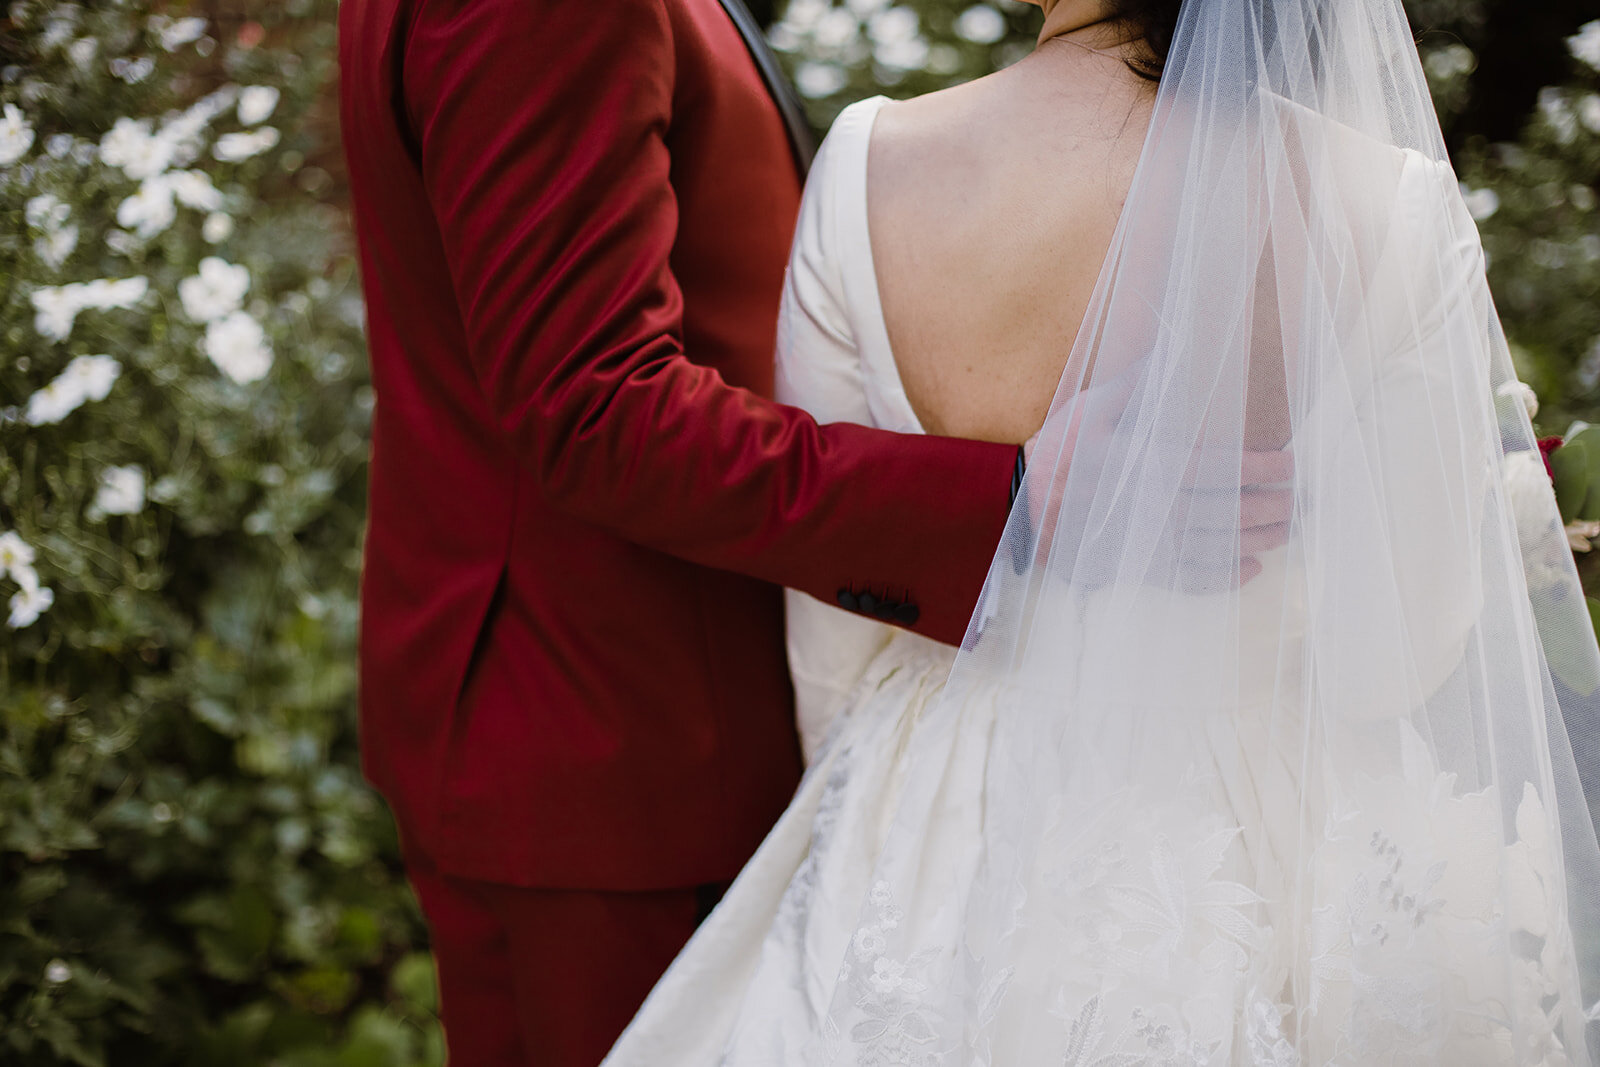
1315, 803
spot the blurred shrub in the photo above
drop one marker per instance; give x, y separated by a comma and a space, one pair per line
191, 870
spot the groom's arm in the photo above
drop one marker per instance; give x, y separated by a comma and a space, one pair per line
539, 126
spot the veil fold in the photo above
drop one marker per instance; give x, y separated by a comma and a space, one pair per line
1282, 796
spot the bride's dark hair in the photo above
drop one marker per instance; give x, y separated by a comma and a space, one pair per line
1155, 21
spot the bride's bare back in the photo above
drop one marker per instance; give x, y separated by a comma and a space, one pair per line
991, 207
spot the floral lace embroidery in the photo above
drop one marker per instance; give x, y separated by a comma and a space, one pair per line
1163, 959
896, 1027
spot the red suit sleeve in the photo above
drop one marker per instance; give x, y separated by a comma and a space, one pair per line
540, 129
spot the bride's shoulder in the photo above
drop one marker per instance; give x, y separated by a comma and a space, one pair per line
936, 129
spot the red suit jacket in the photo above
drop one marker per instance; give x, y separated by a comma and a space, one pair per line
574, 220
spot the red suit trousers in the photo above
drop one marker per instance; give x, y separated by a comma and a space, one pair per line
546, 977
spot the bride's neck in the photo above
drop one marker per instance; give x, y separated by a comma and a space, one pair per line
1078, 18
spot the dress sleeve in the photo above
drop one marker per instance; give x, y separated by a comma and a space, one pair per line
819, 369
540, 128
1416, 455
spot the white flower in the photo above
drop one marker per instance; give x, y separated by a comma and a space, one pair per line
140, 154
783, 38
122, 242
981, 24
83, 51
16, 554
54, 311
1530, 497
1589, 115
133, 71
175, 33
58, 30
1558, 113
216, 291
46, 212
121, 492
27, 604
1445, 63
214, 103
185, 130
836, 29
93, 376
1481, 203
238, 147
150, 210
193, 189
1581, 535
865, 8
52, 403
1585, 46
1523, 392
56, 246
801, 16
896, 43
894, 26
122, 143
910, 54
256, 103
819, 79
16, 135
86, 378
238, 346
944, 59
107, 293
216, 228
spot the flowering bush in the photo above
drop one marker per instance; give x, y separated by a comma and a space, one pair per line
190, 866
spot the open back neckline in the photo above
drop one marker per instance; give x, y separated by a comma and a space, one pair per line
891, 407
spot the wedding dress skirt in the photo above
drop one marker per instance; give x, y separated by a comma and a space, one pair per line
1136, 954
757, 979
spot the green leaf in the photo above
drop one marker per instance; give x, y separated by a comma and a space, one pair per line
1588, 437
1571, 466
324, 990
360, 935
376, 1040
1568, 648
415, 981
240, 931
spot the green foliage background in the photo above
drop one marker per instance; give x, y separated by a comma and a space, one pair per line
191, 870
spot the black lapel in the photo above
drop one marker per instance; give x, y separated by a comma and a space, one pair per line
794, 116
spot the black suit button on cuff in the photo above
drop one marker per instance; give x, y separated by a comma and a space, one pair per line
847, 600
868, 603
907, 614
885, 611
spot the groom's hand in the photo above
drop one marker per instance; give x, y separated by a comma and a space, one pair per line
1227, 507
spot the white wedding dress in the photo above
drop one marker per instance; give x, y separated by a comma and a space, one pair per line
1242, 915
